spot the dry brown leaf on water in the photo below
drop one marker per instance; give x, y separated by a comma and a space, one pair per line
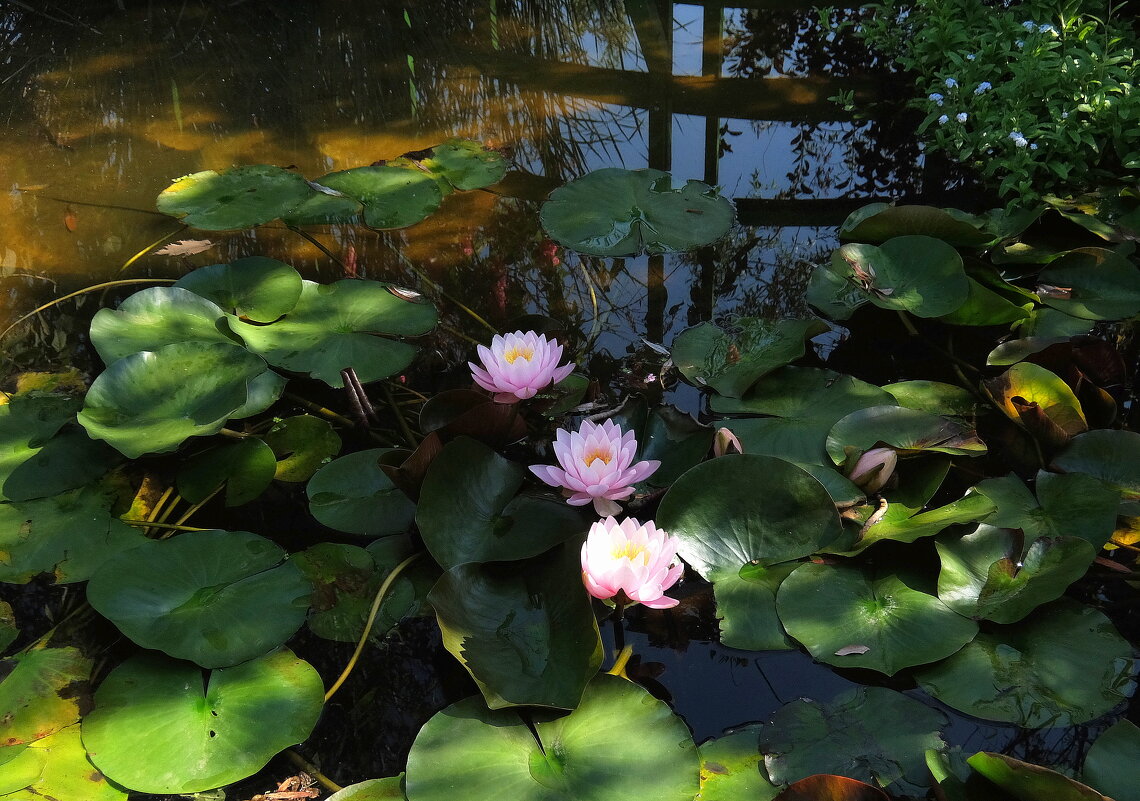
185, 247
849, 650
70, 220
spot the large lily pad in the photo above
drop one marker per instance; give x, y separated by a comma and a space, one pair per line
732, 768
1064, 665
1112, 456
161, 315
353, 494
333, 327
587, 755
302, 444
936, 397
151, 402
616, 212
746, 607
1110, 765
239, 198
730, 362
849, 618
525, 632
466, 164
160, 726
664, 434
254, 288
64, 772
1093, 284
469, 510
994, 574
868, 733
67, 535
908, 431
802, 404
392, 197
1027, 782
878, 222
245, 468
1040, 401
41, 693
214, 597
1067, 505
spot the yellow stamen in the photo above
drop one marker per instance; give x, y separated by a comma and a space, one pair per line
517, 351
597, 453
631, 551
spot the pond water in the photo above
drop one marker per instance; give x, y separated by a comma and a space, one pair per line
104, 107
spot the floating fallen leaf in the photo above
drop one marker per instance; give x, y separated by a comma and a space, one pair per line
849, 650
70, 221
185, 247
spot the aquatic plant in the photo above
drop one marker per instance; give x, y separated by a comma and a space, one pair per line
518, 365
632, 561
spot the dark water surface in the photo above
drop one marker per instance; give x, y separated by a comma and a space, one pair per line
101, 108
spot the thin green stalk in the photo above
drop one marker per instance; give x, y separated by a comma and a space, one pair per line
84, 291
405, 429
311, 769
152, 524
151, 246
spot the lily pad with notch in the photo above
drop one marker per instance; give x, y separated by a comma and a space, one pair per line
41, 693
878, 222
355, 495
1027, 782
214, 597
1110, 455
386, 196
586, 755
908, 431
245, 468
1092, 284
64, 772
301, 444
1040, 401
239, 198
616, 212
254, 288
1109, 765
732, 768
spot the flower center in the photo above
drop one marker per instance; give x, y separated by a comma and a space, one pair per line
631, 551
596, 453
516, 352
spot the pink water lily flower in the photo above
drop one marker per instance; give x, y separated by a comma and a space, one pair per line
518, 365
597, 465
873, 469
636, 560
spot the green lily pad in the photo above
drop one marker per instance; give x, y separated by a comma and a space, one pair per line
40, 454
1028, 782
20, 766
848, 618
908, 431
878, 222
68, 535
1040, 401
1047, 322
803, 403
984, 306
390, 788
935, 397
1110, 765
730, 362
587, 755
333, 327
151, 402
732, 768
1112, 456
469, 510
9, 631
245, 468
465, 164
301, 444
917, 274
64, 772
160, 726
525, 632
161, 315
41, 693
616, 212
1063, 665
353, 494
239, 198
1068, 505
746, 607
1015, 350
253, 288
900, 523
392, 197
1093, 284
867, 733
993, 574
214, 597
665, 434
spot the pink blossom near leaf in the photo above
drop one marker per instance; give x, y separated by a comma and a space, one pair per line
872, 470
517, 366
596, 466
631, 559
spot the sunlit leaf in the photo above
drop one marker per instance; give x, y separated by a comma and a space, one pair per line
239, 198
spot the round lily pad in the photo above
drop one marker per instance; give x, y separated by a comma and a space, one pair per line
239, 198
1067, 505
154, 317
867, 733
254, 288
353, 494
587, 755
878, 222
906, 430
301, 443
934, 396
333, 327
392, 197
160, 726
1039, 400
616, 212
62, 771
151, 402
1110, 765
1091, 283
732, 768
41, 692
1112, 456
1063, 665
214, 597
245, 468
847, 618
465, 164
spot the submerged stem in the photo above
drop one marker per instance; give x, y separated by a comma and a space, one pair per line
84, 291
311, 769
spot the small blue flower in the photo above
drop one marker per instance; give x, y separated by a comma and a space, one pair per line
1029, 25
1020, 43
1064, 115
951, 83
971, 56
943, 120
1031, 147
983, 87
936, 98
1021, 141
962, 116
1046, 28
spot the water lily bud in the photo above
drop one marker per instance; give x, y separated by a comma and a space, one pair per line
631, 558
596, 466
518, 365
726, 442
873, 469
